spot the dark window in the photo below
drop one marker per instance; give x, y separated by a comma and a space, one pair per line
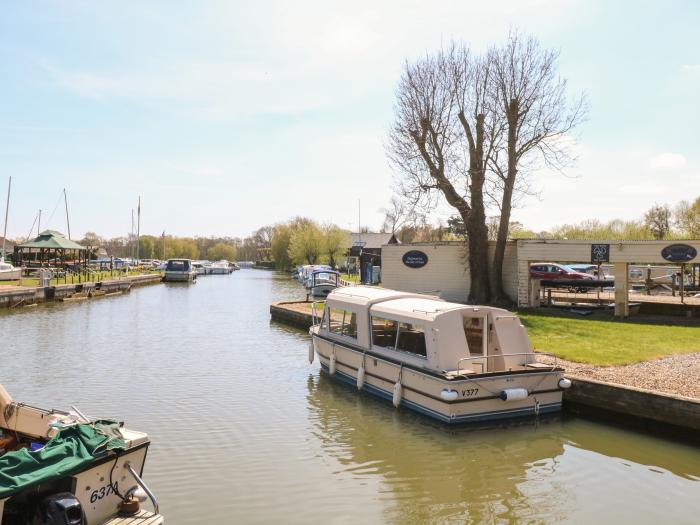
384, 332
411, 339
474, 332
342, 322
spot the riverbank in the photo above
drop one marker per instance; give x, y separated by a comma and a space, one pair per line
663, 391
24, 296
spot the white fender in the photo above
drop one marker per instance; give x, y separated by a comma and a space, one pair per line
397, 394
514, 394
331, 365
564, 383
449, 395
311, 352
361, 377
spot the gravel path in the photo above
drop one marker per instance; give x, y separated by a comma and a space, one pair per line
677, 374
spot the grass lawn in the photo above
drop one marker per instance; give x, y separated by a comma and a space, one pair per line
352, 278
608, 342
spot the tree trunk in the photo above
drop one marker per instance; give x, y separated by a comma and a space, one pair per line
499, 293
478, 240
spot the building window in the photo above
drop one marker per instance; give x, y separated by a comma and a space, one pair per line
342, 322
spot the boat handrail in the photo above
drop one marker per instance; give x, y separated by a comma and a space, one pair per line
472, 358
143, 485
315, 319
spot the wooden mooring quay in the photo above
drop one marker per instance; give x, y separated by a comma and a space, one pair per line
21, 296
649, 410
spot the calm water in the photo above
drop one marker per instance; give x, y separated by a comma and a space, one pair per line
245, 431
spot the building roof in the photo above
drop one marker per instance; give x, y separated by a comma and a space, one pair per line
372, 240
52, 240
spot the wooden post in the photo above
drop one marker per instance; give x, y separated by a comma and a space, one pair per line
622, 308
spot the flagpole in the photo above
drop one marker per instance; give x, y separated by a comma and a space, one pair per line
138, 231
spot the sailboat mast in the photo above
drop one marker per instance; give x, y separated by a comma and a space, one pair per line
65, 200
38, 226
7, 209
138, 230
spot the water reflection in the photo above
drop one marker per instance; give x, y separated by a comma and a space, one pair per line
529, 471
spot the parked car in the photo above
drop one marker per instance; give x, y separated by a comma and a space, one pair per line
552, 271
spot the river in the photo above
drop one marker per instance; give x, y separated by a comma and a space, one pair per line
244, 430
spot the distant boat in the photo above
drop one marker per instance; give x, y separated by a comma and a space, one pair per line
179, 270
199, 267
220, 268
9, 272
321, 282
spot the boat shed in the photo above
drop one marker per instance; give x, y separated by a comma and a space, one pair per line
441, 267
366, 250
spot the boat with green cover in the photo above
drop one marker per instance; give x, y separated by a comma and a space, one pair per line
61, 467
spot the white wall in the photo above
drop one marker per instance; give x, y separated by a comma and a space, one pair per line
446, 273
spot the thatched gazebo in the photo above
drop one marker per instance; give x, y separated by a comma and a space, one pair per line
52, 250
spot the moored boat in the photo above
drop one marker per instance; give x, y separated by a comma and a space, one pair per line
59, 467
321, 282
220, 268
9, 272
452, 362
179, 270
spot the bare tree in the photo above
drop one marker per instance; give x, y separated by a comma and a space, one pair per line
437, 144
531, 100
658, 220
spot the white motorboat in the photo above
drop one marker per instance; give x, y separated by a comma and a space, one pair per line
199, 267
60, 467
9, 272
322, 282
220, 268
452, 362
179, 270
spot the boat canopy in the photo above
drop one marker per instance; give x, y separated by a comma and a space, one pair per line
425, 331
68, 452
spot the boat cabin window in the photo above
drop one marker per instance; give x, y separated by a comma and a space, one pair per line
474, 331
404, 337
342, 322
178, 266
384, 332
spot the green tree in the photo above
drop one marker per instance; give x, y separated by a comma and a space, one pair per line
305, 245
687, 218
658, 220
221, 251
336, 242
281, 236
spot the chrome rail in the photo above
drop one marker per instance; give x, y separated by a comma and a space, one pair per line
315, 319
143, 485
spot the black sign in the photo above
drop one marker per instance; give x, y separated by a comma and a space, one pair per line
679, 253
600, 253
415, 259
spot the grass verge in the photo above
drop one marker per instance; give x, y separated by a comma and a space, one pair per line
608, 342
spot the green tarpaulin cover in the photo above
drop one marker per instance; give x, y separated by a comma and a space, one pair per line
71, 450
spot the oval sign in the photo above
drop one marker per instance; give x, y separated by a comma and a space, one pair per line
679, 253
415, 259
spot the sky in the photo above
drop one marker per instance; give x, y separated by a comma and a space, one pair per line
224, 116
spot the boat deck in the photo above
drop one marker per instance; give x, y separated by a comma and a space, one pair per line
142, 517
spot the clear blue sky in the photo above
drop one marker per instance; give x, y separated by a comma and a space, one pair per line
228, 115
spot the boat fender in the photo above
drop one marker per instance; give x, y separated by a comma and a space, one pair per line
397, 394
514, 394
331, 365
311, 352
449, 395
361, 377
564, 383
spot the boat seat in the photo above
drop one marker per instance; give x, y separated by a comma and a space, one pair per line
537, 365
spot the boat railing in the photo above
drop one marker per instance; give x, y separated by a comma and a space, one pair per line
143, 485
493, 356
315, 318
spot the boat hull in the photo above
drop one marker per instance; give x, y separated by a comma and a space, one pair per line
175, 277
469, 400
10, 275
